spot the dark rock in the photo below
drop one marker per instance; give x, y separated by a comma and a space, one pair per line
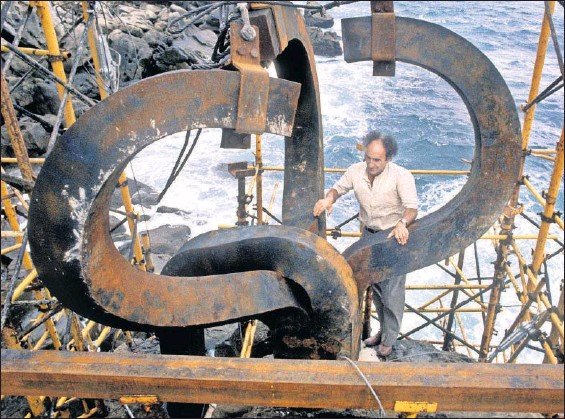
71, 44
214, 19
37, 95
416, 351
141, 346
170, 210
195, 44
168, 239
326, 43
206, 37
86, 84
220, 336
165, 240
141, 194
135, 53
32, 35
35, 136
316, 19
155, 38
178, 9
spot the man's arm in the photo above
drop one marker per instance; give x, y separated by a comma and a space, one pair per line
326, 204
400, 230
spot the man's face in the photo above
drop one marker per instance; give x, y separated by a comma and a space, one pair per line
375, 157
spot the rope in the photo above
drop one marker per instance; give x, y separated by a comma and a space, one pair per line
50, 75
554, 37
178, 167
548, 91
381, 411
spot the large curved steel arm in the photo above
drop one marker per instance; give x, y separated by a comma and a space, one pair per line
495, 168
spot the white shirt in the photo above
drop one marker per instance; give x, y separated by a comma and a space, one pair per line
382, 204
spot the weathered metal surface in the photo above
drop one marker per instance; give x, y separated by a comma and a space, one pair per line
326, 318
304, 152
254, 86
497, 149
292, 383
77, 260
383, 38
71, 246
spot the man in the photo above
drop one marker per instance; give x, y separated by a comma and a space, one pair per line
387, 199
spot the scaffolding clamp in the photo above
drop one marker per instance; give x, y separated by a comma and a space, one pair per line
411, 409
510, 211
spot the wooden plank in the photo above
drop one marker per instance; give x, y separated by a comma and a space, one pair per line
288, 383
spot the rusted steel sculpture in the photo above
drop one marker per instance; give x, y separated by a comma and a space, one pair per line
497, 148
286, 275
69, 231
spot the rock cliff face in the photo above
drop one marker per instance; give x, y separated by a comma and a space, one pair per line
137, 34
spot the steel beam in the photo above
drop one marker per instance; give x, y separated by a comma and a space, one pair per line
290, 383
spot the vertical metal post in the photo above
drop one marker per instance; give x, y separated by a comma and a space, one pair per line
92, 44
259, 180
44, 13
451, 318
241, 202
367, 314
553, 339
14, 132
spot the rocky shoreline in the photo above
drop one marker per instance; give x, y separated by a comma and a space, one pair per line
138, 37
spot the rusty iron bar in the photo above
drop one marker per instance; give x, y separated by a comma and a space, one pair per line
292, 383
14, 132
451, 318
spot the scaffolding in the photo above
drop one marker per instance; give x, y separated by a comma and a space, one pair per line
539, 316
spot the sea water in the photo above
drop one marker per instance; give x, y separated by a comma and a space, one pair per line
429, 121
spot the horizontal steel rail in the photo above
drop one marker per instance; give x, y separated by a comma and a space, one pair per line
289, 383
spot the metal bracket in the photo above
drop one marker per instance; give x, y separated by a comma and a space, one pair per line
383, 38
254, 85
280, 25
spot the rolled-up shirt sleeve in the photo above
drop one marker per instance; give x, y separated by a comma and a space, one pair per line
406, 187
345, 183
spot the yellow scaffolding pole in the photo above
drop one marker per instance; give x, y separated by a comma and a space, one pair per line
340, 170
541, 200
39, 52
549, 209
12, 160
44, 12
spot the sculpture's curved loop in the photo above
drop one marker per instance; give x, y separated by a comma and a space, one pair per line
495, 166
69, 228
326, 289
